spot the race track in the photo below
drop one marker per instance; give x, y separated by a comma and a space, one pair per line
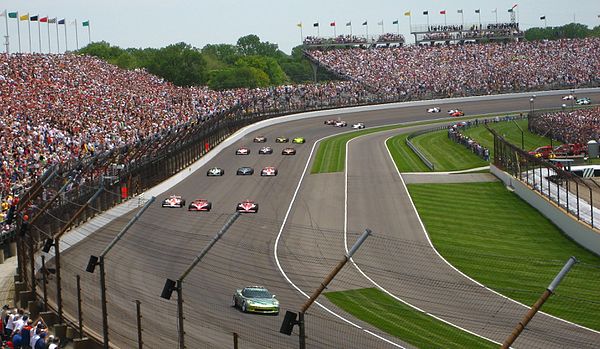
398, 257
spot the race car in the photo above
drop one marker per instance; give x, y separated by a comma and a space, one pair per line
434, 110
568, 97
269, 171
583, 101
242, 151
330, 122
358, 125
256, 299
282, 140
340, 123
200, 205
456, 112
260, 139
288, 151
544, 152
173, 201
245, 171
265, 150
215, 171
247, 206
299, 140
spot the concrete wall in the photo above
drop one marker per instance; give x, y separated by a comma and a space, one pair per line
580, 232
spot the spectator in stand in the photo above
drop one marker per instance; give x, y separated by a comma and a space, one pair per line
54, 342
17, 340
578, 126
26, 333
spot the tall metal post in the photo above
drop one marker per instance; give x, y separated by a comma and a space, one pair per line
138, 313
103, 301
32, 262
58, 284
534, 309
302, 334
44, 281
181, 332
79, 309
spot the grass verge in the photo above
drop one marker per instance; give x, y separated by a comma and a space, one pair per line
402, 321
499, 240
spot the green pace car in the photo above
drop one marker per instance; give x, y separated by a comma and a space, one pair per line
256, 299
298, 140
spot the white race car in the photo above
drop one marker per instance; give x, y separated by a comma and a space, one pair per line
242, 151
358, 125
269, 171
340, 123
568, 97
174, 201
434, 110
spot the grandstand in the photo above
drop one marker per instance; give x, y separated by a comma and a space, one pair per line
470, 33
349, 41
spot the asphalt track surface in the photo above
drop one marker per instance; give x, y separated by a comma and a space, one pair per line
398, 257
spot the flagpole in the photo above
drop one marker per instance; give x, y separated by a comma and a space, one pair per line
496, 15
76, 36
29, 28
19, 30
410, 22
39, 34
462, 18
445, 22
334, 31
6, 18
479, 19
382, 27
350, 29
428, 20
48, 26
66, 40
398, 27
90, 33
301, 36
57, 37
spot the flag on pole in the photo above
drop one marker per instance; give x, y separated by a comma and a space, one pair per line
380, 23
24, 17
477, 11
348, 24
44, 19
299, 25
316, 24
3, 14
74, 22
495, 10
510, 10
459, 11
13, 14
542, 18
442, 12
52, 20
85, 23
425, 13
61, 21
395, 22
364, 23
33, 18
407, 13
515, 5
332, 24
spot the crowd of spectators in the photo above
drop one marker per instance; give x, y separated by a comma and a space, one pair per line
21, 332
391, 37
59, 108
458, 70
338, 40
455, 135
576, 126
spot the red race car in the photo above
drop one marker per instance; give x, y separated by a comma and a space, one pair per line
456, 112
200, 205
247, 206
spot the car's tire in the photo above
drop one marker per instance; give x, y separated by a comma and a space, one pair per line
244, 307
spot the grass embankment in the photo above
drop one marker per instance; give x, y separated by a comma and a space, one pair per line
499, 240
402, 321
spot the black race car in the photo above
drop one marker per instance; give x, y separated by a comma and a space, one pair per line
265, 150
245, 171
282, 140
260, 139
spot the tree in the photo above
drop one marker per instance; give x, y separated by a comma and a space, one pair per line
179, 63
102, 50
223, 52
250, 45
266, 64
237, 77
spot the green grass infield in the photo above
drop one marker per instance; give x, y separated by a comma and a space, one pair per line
399, 320
501, 241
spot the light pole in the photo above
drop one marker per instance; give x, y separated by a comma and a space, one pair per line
573, 100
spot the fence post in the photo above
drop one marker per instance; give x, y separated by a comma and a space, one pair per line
79, 310
138, 313
44, 281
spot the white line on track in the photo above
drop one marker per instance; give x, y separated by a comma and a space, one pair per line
362, 272
463, 274
276, 246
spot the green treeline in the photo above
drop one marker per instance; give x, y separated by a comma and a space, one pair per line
567, 31
249, 63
